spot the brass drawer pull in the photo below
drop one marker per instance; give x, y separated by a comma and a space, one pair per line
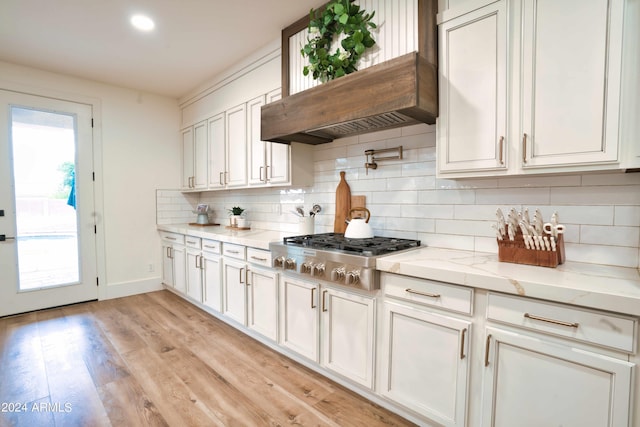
555, 322
524, 148
313, 305
424, 294
502, 150
258, 259
486, 350
464, 333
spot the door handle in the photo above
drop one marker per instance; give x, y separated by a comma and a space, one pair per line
5, 238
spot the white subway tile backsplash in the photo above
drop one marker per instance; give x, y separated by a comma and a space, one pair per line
611, 179
601, 211
600, 254
586, 214
447, 197
513, 196
596, 195
540, 181
465, 228
627, 215
606, 235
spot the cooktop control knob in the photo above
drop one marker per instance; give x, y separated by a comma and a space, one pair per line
318, 270
306, 268
289, 264
353, 277
337, 274
278, 261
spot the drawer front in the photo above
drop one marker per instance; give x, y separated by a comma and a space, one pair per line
588, 326
172, 237
429, 292
192, 242
259, 256
211, 246
233, 251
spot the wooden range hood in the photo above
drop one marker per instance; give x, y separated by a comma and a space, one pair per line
398, 92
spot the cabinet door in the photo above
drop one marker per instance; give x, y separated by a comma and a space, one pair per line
167, 265
348, 335
179, 272
200, 158
262, 287
187, 158
234, 294
299, 323
278, 155
571, 68
278, 163
473, 91
194, 274
257, 160
217, 152
212, 281
529, 383
425, 362
236, 128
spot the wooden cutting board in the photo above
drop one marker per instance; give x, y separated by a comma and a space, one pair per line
343, 205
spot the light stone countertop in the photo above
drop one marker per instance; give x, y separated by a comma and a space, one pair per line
615, 289
602, 287
253, 238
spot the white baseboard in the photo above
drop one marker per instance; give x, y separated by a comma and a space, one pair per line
125, 289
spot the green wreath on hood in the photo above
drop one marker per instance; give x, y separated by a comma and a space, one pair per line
339, 17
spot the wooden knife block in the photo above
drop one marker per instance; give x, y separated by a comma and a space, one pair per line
516, 252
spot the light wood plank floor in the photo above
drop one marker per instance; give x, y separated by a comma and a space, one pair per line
156, 360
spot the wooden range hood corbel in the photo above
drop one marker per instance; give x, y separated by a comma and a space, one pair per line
398, 92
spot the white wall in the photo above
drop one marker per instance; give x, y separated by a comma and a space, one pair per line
136, 135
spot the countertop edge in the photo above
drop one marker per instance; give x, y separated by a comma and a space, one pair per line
615, 289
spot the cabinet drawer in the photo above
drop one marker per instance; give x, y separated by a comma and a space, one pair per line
259, 256
429, 292
233, 251
192, 242
169, 237
588, 326
211, 246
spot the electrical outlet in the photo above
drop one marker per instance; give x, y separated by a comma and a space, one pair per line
150, 268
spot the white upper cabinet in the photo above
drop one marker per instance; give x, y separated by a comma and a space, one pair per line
269, 162
217, 151
571, 69
236, 131
473, 91
194, 157
530, 86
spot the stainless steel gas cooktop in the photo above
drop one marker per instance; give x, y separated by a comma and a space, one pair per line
331, 257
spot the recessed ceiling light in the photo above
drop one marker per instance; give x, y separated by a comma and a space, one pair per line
142, 22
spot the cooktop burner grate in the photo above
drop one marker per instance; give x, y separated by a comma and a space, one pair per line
337, 242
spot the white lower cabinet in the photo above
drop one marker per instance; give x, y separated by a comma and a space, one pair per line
530, 382
193, 268
211, 274
340, 324
532, 379
348, 335
425, 357
173, 261
234, 290
299, 317
262, 301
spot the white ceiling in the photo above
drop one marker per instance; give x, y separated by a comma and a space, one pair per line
194, 40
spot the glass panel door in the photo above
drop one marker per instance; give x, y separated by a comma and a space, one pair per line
48, 254
43, 148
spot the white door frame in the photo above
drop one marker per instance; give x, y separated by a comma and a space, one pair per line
96, 106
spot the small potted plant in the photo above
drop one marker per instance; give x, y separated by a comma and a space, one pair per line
235, 213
